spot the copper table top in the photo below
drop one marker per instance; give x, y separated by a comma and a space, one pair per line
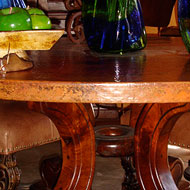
73, 73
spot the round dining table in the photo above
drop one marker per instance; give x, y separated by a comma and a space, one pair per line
66, 78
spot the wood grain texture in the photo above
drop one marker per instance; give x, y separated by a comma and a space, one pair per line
74, 124
73, 73
152, 131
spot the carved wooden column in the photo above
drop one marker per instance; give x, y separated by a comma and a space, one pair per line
74, 124
153, 128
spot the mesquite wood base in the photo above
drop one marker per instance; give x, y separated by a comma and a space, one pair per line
153, 123
153, 126
74, 124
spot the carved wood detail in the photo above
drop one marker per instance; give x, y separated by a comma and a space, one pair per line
74, 27
71, 5
9, 172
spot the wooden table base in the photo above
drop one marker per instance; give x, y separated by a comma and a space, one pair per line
153, 127
153, 124
74, 124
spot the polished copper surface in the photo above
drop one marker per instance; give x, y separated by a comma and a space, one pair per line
73, 73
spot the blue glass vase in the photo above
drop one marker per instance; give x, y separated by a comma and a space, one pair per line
12, 3
184, 21
113, 26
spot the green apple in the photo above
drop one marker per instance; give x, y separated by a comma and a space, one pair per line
14, 18
40, 22
39, 19
35, 11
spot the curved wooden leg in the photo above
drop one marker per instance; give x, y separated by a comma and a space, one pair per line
151, 139
74, 124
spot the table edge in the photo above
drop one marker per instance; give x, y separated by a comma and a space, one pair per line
95, 92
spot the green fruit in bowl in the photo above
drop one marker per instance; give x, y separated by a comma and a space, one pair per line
35, 11
40, 22
39, 19
15, 18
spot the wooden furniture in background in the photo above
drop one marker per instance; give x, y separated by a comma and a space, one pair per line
156, 16
71, 74
118, 141
157, 13
50, 169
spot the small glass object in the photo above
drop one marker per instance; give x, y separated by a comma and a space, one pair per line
113, 26
184, 21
